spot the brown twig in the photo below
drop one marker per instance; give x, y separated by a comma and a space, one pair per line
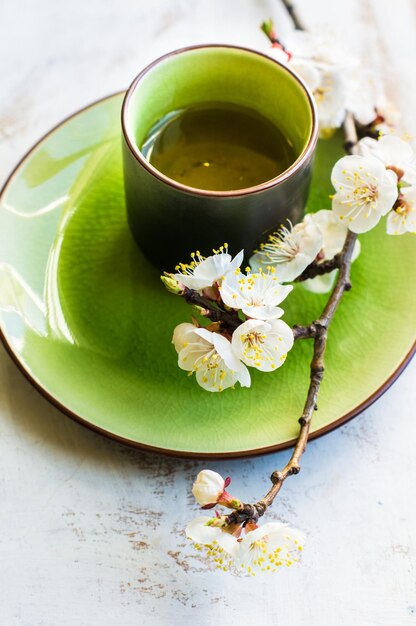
212, 310
350, 134
318, 330
293, 14
268, 29
318, 269
230, 319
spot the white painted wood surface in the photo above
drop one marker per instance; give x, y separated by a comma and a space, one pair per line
91, 533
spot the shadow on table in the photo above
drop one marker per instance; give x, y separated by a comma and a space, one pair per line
38, 421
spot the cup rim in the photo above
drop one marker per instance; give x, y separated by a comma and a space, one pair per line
268, 184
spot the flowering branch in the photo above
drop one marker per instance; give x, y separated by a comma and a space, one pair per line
376, 179
318, 330
251, 512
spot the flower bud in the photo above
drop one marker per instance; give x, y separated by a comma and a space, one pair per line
208, 487
172, 285
199, 310
209, 490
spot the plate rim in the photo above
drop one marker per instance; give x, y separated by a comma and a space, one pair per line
187, 454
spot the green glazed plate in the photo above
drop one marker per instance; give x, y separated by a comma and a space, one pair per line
88, 321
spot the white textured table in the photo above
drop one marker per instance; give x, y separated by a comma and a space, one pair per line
91, 533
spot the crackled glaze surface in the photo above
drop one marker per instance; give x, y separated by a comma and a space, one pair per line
92, 532
90, 321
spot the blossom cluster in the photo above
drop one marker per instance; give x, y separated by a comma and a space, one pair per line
379, 179
218, 356
229, 545
337, 79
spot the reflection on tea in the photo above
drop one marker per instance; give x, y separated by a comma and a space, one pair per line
218, 146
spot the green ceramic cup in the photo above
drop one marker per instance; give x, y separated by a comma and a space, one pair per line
168, 219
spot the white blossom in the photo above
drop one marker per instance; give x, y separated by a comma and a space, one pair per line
338, 81
256, 294
208, 487
289, 250
264, 549
403, 218
268, 547
329, 93
210, 534
210, 356
203, 272
334, 233
329, 88
262, 344
320, 46
394, 153
365, 191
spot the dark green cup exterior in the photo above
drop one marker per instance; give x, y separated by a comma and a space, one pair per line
169, 220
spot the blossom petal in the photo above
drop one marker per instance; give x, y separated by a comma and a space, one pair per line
189, 345
224, 349
218, 265
210, 356
211, 370
403, 219
200, 531
278, 533
191, 354
243, 376
191, 281
231, 292
357, 250
362, 93
213, 267
392, 152
263, 345
202, 273
361, 223
238, 369
236, 262
308, 71
387, 192
181, 335
396, 224
333, 232
228, 543
263, 312
389, 149
331, 98
320, 284
341, 175
287, 272
269, 546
